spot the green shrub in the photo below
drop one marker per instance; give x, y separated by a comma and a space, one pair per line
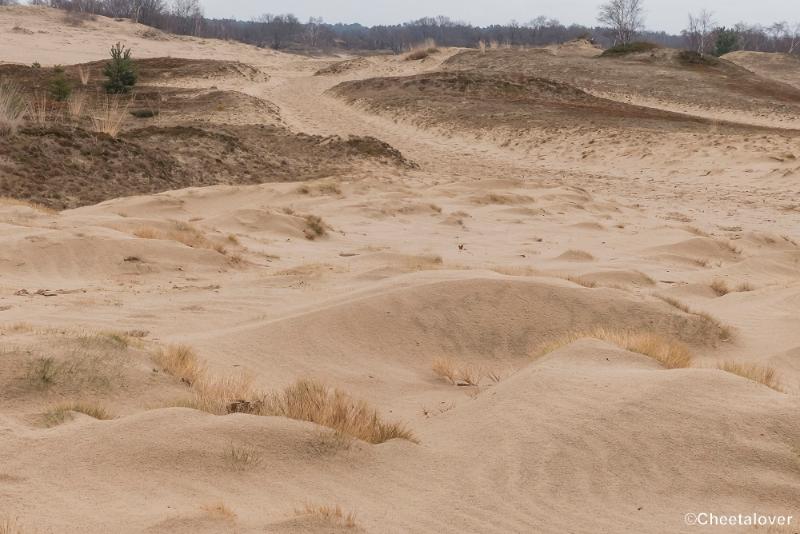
690, 57
144, 113
629, 48
727, 41
60, 89
120, 71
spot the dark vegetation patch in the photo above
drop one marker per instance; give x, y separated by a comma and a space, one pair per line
416, 55
629, 48
66, 167
690, 57
485, 100
660, 75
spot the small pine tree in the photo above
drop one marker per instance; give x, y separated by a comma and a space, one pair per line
120, 71
60, 89
727, 41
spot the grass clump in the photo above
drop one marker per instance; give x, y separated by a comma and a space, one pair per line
110, 115
333, 515
422, 50
315, 227
309, 400
242, 458
668, 352
63, 412
12, 108
719, 287
757, 373
459, 375
629, 48
690, 57
43, 372
181, 362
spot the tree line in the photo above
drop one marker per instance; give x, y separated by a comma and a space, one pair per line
620, 22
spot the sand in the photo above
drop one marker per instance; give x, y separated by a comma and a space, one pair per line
486, 251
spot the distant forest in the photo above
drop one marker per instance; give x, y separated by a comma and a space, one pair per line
287, 32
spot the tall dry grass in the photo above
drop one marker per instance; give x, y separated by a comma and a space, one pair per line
305, 400
38, 109
62, 412
109, 116
9, 525
460, 375
12, 108
309, 400
758, 373
333, 515
75, 104
181, 362
84, 73
668, 352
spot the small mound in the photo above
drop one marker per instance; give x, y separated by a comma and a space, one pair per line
575, 255
700, 247
617, 277
475, 317
576, 47
784, 68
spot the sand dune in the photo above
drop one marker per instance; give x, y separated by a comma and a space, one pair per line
504, 287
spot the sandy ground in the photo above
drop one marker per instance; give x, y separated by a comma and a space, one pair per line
484, 253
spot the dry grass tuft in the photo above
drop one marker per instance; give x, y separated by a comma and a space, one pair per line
669, 353
217, 395
61, 413
181, 362
422, 50
146, 232
720, 287
315, 227
581, 281
9, 525
84, 73
675, 303
724, 331
757, 373
27, 204
309, 400
12, 107
464, 375
242, 458
330, 514
219, 510
183, 233
110, 115
744, 287
305, 400
730, 247
75, 104
37, 109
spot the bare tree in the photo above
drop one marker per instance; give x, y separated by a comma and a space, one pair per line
625, 18
313, 31
793, 35
189, 15
699, 32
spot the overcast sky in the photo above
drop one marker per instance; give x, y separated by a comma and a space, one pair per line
669, 15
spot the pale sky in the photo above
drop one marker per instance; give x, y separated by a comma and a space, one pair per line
669, 15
